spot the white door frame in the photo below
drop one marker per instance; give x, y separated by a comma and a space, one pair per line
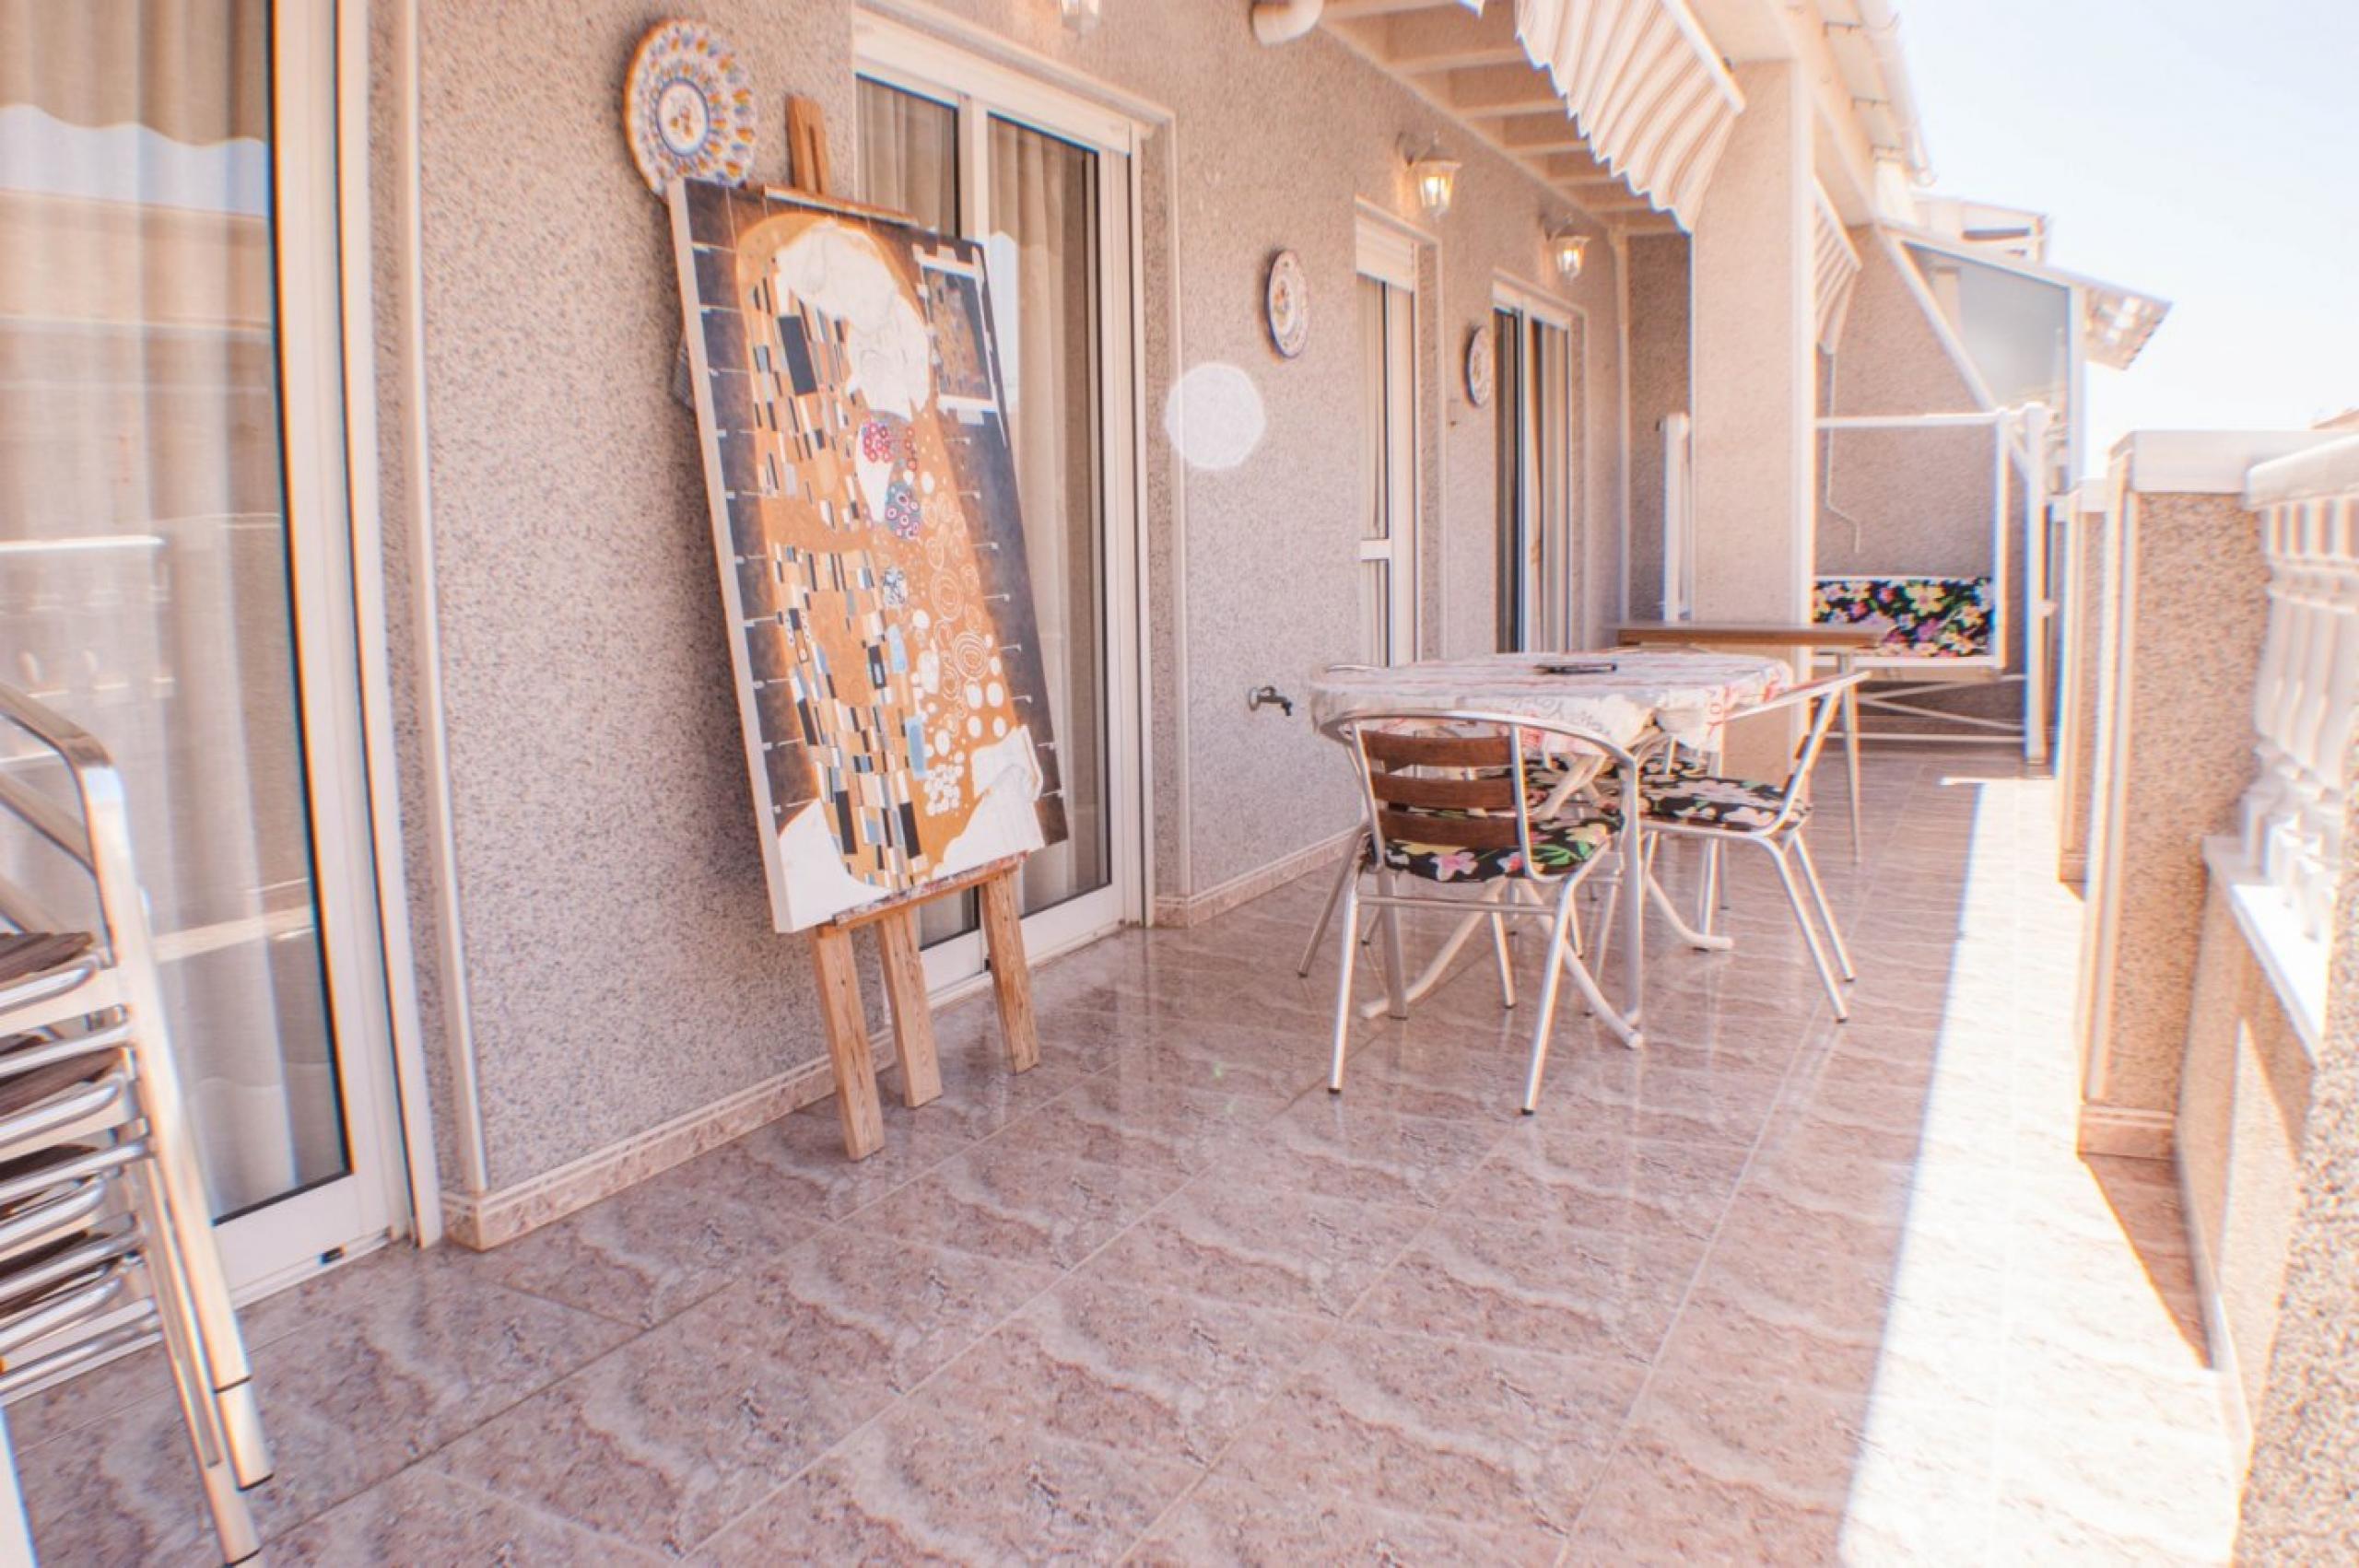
1550, 612
979, 88
1389, 255
310, 71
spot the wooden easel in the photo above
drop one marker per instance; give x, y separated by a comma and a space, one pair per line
895, 920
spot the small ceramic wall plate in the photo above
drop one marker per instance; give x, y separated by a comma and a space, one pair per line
1289, 304
1478, 368
688, 107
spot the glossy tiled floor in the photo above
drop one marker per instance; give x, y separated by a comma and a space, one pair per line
1774, 1290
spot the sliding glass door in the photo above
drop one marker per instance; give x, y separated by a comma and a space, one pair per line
174, 563
1043, 182
1387, 288
1536, 591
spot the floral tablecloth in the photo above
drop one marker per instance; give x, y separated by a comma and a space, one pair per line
1674, 691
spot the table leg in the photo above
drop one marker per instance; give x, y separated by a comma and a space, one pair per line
1851, 749
1703, 940
1431, 976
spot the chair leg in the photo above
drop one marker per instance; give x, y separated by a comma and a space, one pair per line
1614, 902
1554, 963
1825, 913
1809, 931
1350, 946
1343, 874
1396, 973
1506, 967
1851, 747
1708, 893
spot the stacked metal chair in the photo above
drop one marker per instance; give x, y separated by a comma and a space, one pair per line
106, 1236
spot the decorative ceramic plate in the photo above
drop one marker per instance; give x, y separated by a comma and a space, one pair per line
688, 107
1289, 304
1478, 368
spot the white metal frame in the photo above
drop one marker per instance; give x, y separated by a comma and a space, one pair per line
2018, 437
979, 87
1388, 255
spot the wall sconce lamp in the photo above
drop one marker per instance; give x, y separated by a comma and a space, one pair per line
1082, 16
1436, 176
1568, 248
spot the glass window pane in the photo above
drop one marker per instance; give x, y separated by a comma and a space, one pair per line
2016, 329
145, 587
1043, 211
909, 154
1508, 415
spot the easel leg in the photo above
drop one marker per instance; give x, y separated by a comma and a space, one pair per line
847, 1042
1011, 972
896, 940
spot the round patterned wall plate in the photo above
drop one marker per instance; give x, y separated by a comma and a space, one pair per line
688, 106
1479, 370
1289, 302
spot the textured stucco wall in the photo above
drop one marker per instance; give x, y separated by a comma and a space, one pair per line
1756, 366
618, 964
2178, 715
2244, 1096
2301, 1502
1658, 386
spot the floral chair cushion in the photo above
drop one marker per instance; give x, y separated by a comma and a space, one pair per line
1929, 617
1685, 792
1557, 846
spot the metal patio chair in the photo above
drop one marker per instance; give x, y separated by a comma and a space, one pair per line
1470, 799
106, 1234
1687, 799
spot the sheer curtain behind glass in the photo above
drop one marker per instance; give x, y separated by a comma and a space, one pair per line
909, 154
144, 587
1044, 200
1040, 222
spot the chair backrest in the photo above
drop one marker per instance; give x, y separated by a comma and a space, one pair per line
1819, 701
1459, 779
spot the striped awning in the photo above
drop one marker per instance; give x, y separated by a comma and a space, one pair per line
1834, 266
1646, 88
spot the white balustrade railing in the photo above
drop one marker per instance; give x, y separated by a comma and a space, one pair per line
2306, 698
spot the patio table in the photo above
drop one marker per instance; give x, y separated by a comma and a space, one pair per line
1644, 693
1643, 699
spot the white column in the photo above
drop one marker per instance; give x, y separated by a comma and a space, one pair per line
1755, 370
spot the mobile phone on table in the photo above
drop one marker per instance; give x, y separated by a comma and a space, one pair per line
1586, 667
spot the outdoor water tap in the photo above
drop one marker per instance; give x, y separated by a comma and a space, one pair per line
1261, 697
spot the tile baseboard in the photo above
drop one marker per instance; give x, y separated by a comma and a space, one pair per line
481, 1221
2127, 1132
1195, 908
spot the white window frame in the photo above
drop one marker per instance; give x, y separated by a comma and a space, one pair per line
1389, 255
981, 87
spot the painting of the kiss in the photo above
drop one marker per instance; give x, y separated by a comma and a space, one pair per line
864, 514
